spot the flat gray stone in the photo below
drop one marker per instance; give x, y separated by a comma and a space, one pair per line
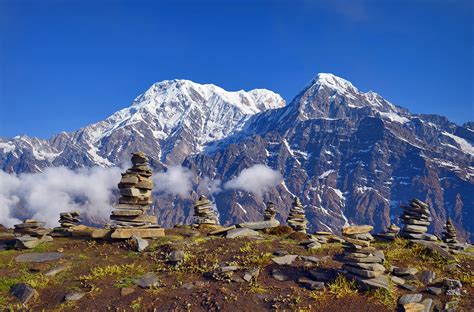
404, 271
74, 296
148, 280
241, 232
313, 245
285, 260
320, 276
362, 272
280, 253
141, 243
39, 257
251, 274
23, 292
262, 225
408, 287
228, 268
397, 280
370, 283
408, 298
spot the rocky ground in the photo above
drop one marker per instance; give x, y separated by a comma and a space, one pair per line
189, 271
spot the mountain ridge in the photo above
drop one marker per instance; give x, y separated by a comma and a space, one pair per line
352, 156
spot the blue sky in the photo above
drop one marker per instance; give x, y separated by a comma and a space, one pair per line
65, 64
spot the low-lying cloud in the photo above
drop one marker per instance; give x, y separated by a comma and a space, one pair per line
177, 180
257, 179
44, 195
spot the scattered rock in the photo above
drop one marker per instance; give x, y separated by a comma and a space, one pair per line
228, 268
23, 292
222, 231
404, 271
408, 287
279, 276
140, 243
285, 260
324, 276
434, 290
262, 225
453, 287
357, 229
125, 291
251, 274
397, 280
148, 280
39, 257
429, 305
408, 298
241, 232
176, 256
56, 270
310, 259
310, 284
413, 307
187, 286
74, 296
427, 277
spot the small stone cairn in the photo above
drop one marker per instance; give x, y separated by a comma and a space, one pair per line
135, 195
362, 262
204, 213
270, 212
69, 219
416, 217
389, 234
450, 236
31, 227
297, 219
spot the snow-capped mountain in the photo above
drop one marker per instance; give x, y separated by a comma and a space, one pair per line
351, 156
172, 119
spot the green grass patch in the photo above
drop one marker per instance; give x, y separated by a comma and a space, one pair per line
124, 270
342, 287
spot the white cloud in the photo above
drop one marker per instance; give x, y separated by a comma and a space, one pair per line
257, 179
176, 180
44, 195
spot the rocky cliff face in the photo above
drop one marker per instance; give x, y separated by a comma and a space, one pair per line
350, 156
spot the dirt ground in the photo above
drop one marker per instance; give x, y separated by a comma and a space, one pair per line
102, 269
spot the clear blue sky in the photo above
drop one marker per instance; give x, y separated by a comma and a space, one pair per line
65, 64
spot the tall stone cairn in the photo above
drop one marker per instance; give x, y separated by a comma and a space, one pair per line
135, 195
416, 218
204, 213
297, 218
362, 262
450, 236
270, 212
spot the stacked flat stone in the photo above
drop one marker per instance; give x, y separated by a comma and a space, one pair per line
31, 227
362, 262
450, 236
389, 234
297, 218
416, 218
135, 195
270, 212
69, 219
203, 212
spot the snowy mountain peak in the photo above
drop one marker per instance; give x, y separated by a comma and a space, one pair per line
176, 90
334, 82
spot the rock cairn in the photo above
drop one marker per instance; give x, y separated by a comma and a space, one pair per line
362, 262
389, 234
416, 218
204, 213
31, 227
135, 195
69, 219
297, 219
270, 212
450, 236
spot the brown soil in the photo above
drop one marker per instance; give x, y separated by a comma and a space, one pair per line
202, 255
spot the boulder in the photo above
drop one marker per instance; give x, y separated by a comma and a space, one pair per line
23, 292
241, 232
